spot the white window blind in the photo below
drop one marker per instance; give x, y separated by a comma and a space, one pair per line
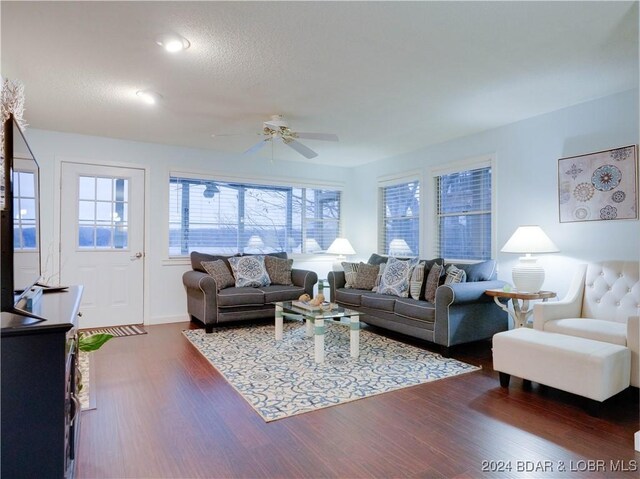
463, 212
226, 218
399, 234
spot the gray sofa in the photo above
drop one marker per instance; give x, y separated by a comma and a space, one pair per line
462, 313
212, 307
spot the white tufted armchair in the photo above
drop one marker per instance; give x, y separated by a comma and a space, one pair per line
603, 303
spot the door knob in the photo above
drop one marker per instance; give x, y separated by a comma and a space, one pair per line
138, 255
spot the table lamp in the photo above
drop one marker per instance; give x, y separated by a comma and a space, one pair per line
311, 246
527, 275
255, 242
341, 247
399, 247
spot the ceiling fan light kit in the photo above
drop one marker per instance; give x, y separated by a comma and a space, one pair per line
277, 128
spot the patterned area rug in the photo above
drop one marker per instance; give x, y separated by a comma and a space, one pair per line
86, 395
281, 379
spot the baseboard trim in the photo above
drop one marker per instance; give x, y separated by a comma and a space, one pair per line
167, 319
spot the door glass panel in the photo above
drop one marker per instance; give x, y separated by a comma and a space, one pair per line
104, 189
87, 188
86, 210
103, 213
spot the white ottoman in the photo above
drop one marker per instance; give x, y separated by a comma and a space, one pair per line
586, 367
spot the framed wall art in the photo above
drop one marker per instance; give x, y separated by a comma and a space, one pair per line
599, 186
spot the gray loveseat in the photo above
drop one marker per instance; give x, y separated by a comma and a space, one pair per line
462, 313
212, 307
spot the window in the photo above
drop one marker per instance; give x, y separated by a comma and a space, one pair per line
400, 221
464, 214
103, 212
25, 233
220, 217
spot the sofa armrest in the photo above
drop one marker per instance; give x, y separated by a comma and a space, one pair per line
201, 281
202, 297
461, 293
337, 280
633, 343
569, 307
306, 279
543, 312
464, 313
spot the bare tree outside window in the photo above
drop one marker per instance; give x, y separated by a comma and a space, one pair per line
241, 218
464, 214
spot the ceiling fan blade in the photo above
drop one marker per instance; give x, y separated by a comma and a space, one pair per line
258, 146
300, 148
317, 136
216, 135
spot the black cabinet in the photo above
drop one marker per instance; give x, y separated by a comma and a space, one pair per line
40, 412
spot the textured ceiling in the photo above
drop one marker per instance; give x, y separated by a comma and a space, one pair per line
387, 77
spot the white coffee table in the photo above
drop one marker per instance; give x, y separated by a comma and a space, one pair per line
315, 324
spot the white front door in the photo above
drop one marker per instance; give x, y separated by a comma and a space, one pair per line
102, 241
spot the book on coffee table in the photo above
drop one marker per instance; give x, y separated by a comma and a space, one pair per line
309, 306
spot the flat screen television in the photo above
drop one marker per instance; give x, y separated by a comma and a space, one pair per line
20, 263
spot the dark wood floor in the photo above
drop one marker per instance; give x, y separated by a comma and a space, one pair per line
164, 411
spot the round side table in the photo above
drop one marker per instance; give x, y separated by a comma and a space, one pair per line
522, 311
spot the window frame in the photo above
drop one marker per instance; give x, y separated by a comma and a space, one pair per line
22, 165
114, 227
264, 181
473, 163
394, 180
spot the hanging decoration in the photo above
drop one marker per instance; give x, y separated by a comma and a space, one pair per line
599, 186
11, 101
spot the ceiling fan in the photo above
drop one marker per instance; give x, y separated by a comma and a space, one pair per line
277, 128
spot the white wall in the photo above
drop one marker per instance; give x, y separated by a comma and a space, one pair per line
165, 293
526, 183
525, 177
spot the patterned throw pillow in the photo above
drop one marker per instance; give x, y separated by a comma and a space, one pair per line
433, 281
366, 276
455, 275
417, 278
279, 270
249, 271
350, 271
220, 273
379, 277
395, 279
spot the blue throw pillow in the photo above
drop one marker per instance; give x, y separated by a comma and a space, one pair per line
484, 271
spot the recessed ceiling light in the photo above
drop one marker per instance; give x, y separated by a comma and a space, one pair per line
172, 42
148, 96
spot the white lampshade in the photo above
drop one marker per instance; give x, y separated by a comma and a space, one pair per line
528, 276
341, 246
529, 239
311, 246
399, 247
255, 242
